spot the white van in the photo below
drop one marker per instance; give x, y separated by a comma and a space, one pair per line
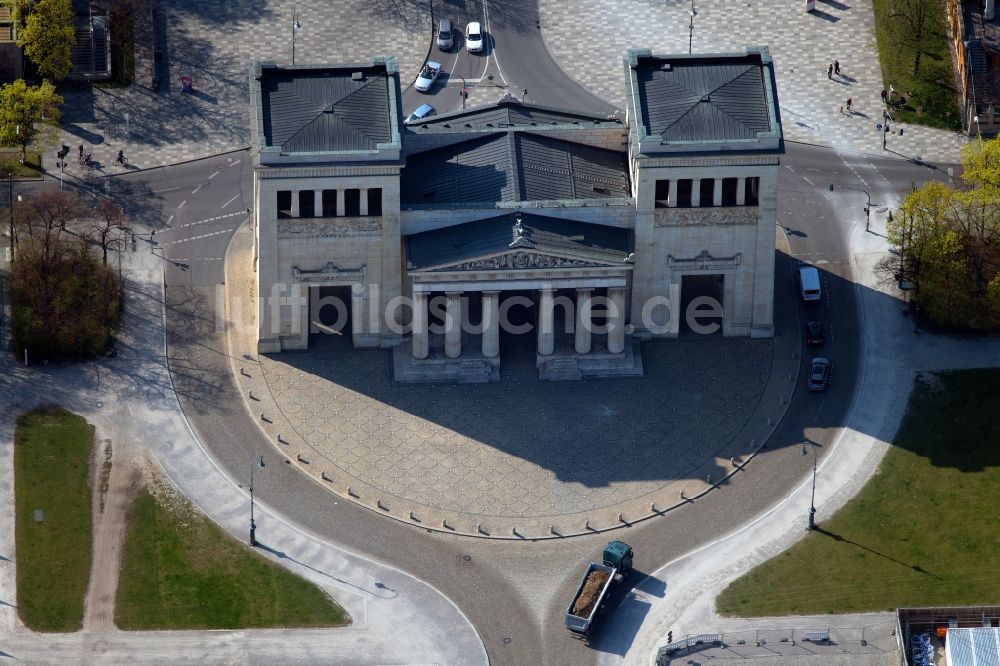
809, 283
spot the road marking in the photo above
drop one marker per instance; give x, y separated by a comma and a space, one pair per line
214, 175
195, 190
170, 219
169, 189
209, 219
181, 204
234, 163
193, 238
202, 259
230, 201
789, 168
808, 181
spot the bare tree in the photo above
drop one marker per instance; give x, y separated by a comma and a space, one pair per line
108, 228
916, 14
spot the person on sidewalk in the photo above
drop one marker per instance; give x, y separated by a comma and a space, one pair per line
836, 67
850, 103
121, 158
885, 96
829, 72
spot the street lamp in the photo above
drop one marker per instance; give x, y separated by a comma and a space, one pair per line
296, 26
257, 462
868, 206
694, 12
812, 500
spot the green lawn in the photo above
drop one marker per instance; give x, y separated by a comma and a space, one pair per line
931, 97
180, 571
923, 532
52, 452
10, 163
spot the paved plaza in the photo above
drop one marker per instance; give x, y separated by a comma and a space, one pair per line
520, 457
802, 44
214, 42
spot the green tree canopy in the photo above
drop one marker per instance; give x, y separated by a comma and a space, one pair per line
45, 32
28, 114
981, 163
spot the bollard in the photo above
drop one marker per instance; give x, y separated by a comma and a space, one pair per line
263, 417
552, 528
444, 524
298, 456
281, 440
621, 519
479, 528
353, 494
413, 517
380, 505
323, 476
516, 533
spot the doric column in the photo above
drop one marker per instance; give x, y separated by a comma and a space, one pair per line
672, 196
616, 325
317, 203
741, 191
295, 203
357, 313
546, 332
583, 321
340, 203
695, 192
491, 323
717, 193
420, 347
364, 202
453, 325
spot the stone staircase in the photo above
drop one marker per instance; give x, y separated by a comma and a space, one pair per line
90, 48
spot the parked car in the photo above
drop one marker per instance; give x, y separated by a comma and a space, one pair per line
819, 374
814, 334
428, 75
445, 39
474, 37
422, 112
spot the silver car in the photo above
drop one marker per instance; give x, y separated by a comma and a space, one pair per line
819, 374
445, 38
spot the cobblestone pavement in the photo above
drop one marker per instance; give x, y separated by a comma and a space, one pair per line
214, 42
589, 39
520, 457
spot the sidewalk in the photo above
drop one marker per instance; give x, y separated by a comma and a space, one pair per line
892, 356
802, 45
131, 398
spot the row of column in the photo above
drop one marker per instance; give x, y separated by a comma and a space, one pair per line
741, 192
318, 202
491, 323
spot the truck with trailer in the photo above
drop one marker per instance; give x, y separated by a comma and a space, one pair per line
597, 581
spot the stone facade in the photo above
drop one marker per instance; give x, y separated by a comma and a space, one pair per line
704, 210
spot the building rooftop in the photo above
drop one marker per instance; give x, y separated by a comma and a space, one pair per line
727, 100
509, 111
497, 235
513, 166
326, 109
983, 52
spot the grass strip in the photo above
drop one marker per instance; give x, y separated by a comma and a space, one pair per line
52, 451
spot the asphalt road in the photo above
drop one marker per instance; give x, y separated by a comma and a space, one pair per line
514, 58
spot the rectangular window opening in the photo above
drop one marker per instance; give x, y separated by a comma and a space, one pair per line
706, 192
662, 195
352, 203
375, 201
752, 190
684, 187
284, 204
729, 186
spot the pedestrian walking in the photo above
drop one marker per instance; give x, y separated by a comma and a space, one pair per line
885, 96
829, 72
81, 152
836, 67
121, 158
850, 103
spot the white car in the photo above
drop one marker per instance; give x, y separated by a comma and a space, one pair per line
474, 37
428, 75
422, 111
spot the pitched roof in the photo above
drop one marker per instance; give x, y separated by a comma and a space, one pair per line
511, 112
511, 166
495, 235
705, 98
326, 110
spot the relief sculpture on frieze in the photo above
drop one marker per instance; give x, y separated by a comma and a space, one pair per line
519, 261
327, 227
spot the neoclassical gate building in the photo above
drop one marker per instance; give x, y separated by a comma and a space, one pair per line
473, 236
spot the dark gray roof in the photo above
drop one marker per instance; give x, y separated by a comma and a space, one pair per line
325, 110
511, 113
513, 166
710, 99
983, 48
495, 235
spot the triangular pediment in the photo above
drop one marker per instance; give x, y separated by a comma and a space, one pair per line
519, 259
